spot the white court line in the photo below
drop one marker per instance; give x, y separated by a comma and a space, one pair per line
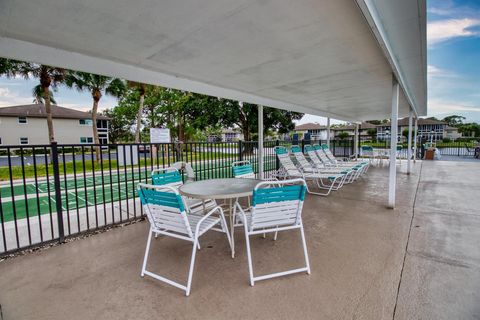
51, 198
80, 198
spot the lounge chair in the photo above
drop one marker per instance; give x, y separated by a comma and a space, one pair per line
326, 181
358, 167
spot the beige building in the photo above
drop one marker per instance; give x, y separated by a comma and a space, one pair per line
27, 125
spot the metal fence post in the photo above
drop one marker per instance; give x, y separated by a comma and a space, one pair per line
58, 193
303, 144
277, 162
240, 152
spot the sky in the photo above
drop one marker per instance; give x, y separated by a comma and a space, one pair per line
453, 37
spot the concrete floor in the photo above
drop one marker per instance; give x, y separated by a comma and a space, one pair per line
419, 261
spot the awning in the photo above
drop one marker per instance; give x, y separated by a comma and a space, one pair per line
322, 57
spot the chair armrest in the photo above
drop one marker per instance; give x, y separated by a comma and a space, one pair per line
217, 208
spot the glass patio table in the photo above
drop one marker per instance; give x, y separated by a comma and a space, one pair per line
226, 189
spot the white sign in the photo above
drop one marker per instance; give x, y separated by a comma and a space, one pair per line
158, 135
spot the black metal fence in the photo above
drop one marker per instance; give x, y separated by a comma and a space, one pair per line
50, 192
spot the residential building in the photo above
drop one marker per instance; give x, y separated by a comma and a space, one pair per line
227, 135
316, 131
27, 125
363, 129
427, 128
452, 133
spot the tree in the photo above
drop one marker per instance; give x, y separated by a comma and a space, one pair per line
122, 119
245, 117
49, 77
469, 129
454, 120
141, 88
39, 95
97, 85
343, 135
372, 133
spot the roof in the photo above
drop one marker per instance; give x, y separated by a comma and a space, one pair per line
38, 111
450, 128
230, 130
323, 57
421, 121
363, 126
309, 126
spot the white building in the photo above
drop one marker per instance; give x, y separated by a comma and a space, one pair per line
316, 131
27, 125
427, 128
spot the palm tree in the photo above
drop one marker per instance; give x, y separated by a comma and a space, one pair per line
48, 76
97, 85
39, 96
141, 87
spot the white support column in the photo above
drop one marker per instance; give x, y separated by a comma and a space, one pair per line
409, 143
260, 142
415, 141
355, 145
392, 179
328, 132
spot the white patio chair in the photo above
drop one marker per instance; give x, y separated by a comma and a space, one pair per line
274, 209
171, 177
328, 181
369, 153
169, 215
243, 169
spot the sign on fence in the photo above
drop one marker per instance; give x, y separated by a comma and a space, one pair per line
159, 135
127, 155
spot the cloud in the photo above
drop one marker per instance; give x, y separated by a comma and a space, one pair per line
443, 30
10, 98
440, 106
435, 72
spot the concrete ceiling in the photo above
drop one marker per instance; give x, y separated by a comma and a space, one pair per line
323, 57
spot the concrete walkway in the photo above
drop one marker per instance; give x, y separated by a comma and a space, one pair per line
419, 261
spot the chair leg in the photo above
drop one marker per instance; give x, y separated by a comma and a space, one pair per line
305, 252
225, 227
147, 249
192, 265
233, 214
249, 256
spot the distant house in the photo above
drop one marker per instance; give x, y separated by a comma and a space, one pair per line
350, 129
452, 133
227, 135
427, 128
27, 125
316, 131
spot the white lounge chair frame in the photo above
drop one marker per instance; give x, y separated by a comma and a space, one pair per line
292, 171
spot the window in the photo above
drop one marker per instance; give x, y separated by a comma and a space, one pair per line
85, 122
23, 140
22, 120
102, 124
86, 140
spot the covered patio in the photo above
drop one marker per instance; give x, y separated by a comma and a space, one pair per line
368, 262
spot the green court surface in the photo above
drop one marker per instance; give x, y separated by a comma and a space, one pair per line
88, 190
